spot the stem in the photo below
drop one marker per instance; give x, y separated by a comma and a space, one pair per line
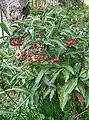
56, 106
2, 22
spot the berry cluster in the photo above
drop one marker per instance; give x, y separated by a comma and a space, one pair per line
15, 43
55, 60
40, 57
36, 52
32, 58
71, 42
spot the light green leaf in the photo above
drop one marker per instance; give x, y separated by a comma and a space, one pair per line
66, 90
59, 43
40, 75
69, 68
55, 76
52, 94
63, 99
42, 117
77, 68
66, 75
69, 32
15, 89
4, 111
69, 86
48, 90
83, 73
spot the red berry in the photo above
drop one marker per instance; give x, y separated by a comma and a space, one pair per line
14, 43
23, 54
71, 42
29, 55
37, 44
38, 36
18, 54
55, 60
45, 57
73, 39
38, 58
66, 42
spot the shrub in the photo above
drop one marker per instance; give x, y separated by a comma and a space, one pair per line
44, 67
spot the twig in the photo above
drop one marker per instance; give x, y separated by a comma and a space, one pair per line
2, 22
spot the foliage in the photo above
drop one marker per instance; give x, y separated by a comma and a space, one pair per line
44, 66
72, 2
79, 16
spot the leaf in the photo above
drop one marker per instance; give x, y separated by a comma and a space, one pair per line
4, 111
36, 99
52, 94
83, 73
81, 88
87, 97
20, 23
69, 86
22, 103
48, 43
5, 28
48, 90
59, 43
63, 99
15, 89
40, 75
55, 76
66, 90
15, 77
41, 116
69, 31
66, 75
77, 68
69, 68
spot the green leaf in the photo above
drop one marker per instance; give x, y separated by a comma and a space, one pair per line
15, 89
22, 103
69, 32
63, 99
20, 23
5, 28
66, 90
83, 73
4, 111
48, 90
77, 68
40, 75
66, 74
69, 86
55, 76
59, 43
52, 93
87, 98
81, 88
41, 116
69, 68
